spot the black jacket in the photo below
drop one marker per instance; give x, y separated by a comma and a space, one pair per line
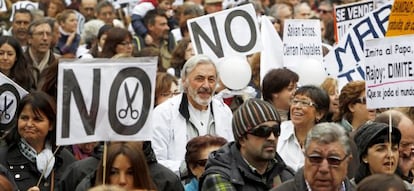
81, 175
229, 163
25, 172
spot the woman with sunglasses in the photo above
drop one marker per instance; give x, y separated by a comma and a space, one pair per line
377, 151
309, 106
196, 157
353, 111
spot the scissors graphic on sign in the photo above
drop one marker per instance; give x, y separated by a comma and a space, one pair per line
123, 112
6, 106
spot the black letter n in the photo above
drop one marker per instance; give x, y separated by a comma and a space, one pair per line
71, 85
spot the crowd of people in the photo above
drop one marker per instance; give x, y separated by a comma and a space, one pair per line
281, 137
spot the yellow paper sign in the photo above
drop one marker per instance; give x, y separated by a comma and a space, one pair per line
400, 21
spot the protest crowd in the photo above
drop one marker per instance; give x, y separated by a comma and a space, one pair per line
282, 130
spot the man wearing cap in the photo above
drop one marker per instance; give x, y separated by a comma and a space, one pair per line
328, 153
250, 162
194, 113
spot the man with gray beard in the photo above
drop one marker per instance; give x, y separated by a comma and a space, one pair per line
193, 113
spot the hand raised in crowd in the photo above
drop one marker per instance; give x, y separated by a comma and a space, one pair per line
34, 188
148, 40
70, 39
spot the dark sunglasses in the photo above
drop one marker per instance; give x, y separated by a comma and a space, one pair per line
332, 160
201, 162
264, 131
323, 11
361, 100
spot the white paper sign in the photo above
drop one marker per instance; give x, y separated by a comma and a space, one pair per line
345, 60
390, 72
226, 33
3, 6
29, 5
10, 95
105, 100
349, 14
301, 40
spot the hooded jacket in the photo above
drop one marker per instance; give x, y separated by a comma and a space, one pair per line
230, 165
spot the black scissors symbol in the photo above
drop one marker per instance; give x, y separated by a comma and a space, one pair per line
6, 106
123, 112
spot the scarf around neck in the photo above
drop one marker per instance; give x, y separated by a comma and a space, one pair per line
45, 160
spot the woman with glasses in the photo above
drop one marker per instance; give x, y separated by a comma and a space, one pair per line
166, 86
308, 107
196, 157
118, 43
377, 150
353, 111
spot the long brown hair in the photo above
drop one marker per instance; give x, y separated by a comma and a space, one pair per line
133, 151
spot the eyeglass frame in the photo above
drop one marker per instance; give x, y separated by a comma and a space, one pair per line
266, 131
303, 103
330, 159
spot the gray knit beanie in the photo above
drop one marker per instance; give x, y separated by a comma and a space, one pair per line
250, 114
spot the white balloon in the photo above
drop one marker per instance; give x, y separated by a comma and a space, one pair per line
235, 72
311, 72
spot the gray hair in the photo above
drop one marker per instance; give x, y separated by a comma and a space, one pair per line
91, 29
195, 61
326, 133
103, 4
38, 22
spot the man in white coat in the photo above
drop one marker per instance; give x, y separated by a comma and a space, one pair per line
193, 113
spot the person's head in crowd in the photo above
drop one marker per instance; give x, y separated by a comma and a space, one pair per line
55, 7
5, 184
376, 154
20, 25
83, 150
187, 11
328, 154
409, 111
280, 12
156, 22
67, 21
257, 5
197, 151
40, 37
302, 11
309, 106
165, 5
182, 52
118, 41
330, 85
166, 86
406, 127
382, 182
254, 62
325, 10
90, 33
97, 46
126, 167
291, 3
87, 9
212, 6
329, 34
36, 113
105, 11
352, 106
199, 77
278, 87
12, 62
55, 28
256, 129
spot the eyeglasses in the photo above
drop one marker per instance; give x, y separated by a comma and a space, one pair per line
170, 94
201, 162
264, 131
332, 160
323, 11
302, 103
361, 100
125, 43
